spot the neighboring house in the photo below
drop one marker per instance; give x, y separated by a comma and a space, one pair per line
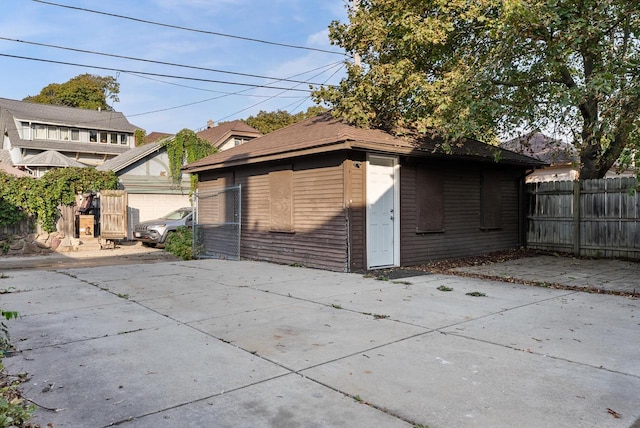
89, 137
155, 136
144, 173
325, 194
561, 158
8, 169
228, 134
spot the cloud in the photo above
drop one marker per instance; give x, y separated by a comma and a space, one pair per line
319, 39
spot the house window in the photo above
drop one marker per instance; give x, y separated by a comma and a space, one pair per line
64, 134
113, 138
26, 130
52, 132
429, 201
281, 201
93, 136
40, 132
238, 141
103, 136
490, 201
75, 135
124, 139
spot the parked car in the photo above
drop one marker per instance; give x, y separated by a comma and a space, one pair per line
155, 232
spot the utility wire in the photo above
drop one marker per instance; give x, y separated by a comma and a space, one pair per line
279, 95
241, 93
249, 39
121, 70
328, 66
173, 64
264, 101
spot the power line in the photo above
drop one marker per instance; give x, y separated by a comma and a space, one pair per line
210, 90
328, 67
249, 39
268, 99
173, 64
154, 74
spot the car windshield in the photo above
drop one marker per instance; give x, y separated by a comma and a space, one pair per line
177, 215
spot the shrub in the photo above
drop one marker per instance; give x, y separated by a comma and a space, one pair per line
180, 243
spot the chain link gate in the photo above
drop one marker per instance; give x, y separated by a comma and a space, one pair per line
216, 224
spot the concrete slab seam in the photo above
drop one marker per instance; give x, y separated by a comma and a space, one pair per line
528, 351
177, 406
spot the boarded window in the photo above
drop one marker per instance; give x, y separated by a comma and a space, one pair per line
490, 201
281, 201
429, 201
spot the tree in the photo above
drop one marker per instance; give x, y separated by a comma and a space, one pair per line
267, 122
488, 68
86, 91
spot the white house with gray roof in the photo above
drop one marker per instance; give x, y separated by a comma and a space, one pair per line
89, 137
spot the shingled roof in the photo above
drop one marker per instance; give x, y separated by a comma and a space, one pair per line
549, 150
67, 116
324, 133
51, 158
217, 135
130, 157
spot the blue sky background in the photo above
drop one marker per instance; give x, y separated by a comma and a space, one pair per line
295, 22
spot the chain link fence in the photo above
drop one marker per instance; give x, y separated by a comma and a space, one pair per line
217, 223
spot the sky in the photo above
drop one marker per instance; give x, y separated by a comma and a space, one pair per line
163, 100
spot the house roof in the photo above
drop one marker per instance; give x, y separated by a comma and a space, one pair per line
130, 157
324, 133
11, 170
51, 158
67, 116
155, 136
548, 150
217, 135
63, 146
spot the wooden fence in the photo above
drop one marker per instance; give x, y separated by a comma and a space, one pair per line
595, 218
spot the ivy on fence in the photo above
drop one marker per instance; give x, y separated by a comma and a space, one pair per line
20, 196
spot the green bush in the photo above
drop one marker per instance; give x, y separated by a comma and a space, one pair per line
180, 243
40, 198
14, 410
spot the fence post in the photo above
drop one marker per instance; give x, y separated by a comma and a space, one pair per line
576, 218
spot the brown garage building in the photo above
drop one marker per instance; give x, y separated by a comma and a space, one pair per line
324, 194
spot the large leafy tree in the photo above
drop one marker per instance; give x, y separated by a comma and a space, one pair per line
86, 91
490, 68
267, 122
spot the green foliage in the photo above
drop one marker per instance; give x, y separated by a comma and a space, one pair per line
267, 122
86, 91
9, 213
485, 68
180, 243
139, 136
5, 338
14, 411
187, 147
40, 198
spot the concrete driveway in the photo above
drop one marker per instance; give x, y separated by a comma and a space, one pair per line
249, 344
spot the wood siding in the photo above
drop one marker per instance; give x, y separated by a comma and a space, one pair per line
355, 201
462, 235
329, 212
218, 210
319, 237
